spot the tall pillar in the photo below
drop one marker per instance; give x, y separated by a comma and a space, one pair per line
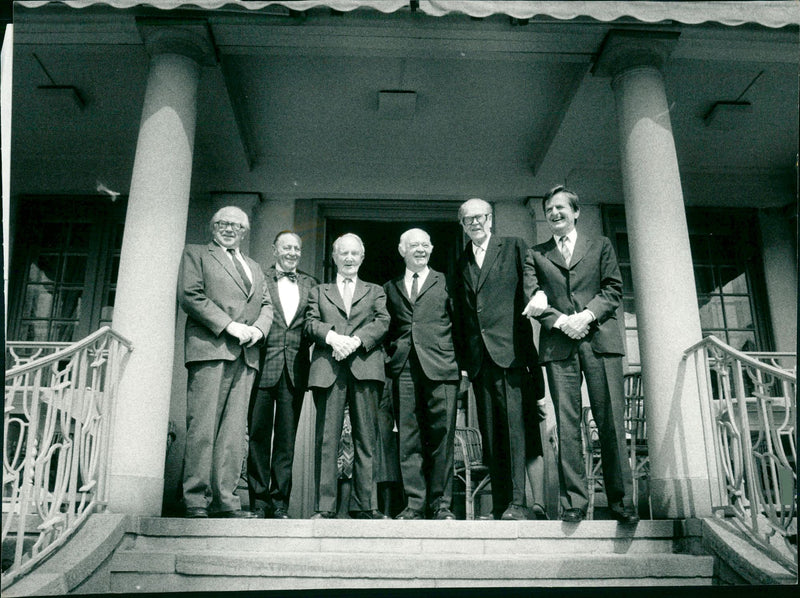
155, 232
666, 301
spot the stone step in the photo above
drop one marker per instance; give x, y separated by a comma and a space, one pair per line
136, 570
416, 537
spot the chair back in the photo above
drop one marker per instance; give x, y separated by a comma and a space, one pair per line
635, 423
469, 439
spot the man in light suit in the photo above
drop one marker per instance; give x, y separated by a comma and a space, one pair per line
425, 375
575, 287
346, 320
279, 389
495, 345
225, 297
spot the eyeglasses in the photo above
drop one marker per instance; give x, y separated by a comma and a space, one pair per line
234, 226
480, 219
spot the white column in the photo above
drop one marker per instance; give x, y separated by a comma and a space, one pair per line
666, 300
155, 231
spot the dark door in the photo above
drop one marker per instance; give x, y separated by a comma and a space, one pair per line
382, 261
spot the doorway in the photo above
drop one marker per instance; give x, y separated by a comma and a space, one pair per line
382, 261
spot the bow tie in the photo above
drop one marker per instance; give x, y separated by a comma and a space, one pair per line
290, 275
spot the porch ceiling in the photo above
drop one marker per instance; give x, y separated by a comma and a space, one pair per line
292, 108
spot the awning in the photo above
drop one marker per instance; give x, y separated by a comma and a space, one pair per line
774, 13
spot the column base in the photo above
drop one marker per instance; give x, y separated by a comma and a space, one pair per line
135, 495
680, 498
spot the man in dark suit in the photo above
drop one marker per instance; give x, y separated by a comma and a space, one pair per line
229, 310
495, 344
346, 320
575, 287
278, 392
425, 375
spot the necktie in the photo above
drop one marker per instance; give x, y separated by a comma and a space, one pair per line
414, 287
290, 275
240, 269
347, 294
479, 254
565, 249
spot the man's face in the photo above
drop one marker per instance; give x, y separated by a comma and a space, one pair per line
228, 230
417, 250
348, 257
287, 252
560, 215
476, 220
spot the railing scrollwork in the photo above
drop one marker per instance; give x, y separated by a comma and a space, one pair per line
750, 400
59, 407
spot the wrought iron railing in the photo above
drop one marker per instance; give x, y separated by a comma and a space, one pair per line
749, 403
59, 407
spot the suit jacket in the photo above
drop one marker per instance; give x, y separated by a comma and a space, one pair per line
427, 325
489, 303
368, 320
287, 344
592, 281
212, 294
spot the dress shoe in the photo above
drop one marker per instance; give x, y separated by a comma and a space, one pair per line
514, 513
409, 513
368, 515
323, 515
260, 512
538, 512
573, 515
234, 515
485, 517
625, 516
443, 514
196, 513
280, 513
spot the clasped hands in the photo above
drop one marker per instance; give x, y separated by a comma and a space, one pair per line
575, 326
343, 345
245, 334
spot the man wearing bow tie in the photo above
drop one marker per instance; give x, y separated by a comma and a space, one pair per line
422, 365
346, 320
278, 393
575, 287
225, 297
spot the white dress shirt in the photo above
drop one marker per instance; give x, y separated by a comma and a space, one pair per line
479, 251
240, 258
289, 295
572, 237
422, 275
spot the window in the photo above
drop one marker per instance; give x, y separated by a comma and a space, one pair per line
66, 259
726, 255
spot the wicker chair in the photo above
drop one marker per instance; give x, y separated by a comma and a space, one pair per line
636, 433
469, 467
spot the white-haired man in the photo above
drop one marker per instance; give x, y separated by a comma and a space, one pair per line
347, 320
425, 375
225, 297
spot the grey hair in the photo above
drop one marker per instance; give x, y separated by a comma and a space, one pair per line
218, 215
352, 236
404, 238
485, 203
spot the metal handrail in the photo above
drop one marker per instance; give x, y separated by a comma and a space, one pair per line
750, 408
57, 424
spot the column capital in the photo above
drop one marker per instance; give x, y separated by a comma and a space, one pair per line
623, 49
186, 37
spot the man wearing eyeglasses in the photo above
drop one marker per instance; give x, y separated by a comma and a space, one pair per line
495, 347
425, 375
225, 297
